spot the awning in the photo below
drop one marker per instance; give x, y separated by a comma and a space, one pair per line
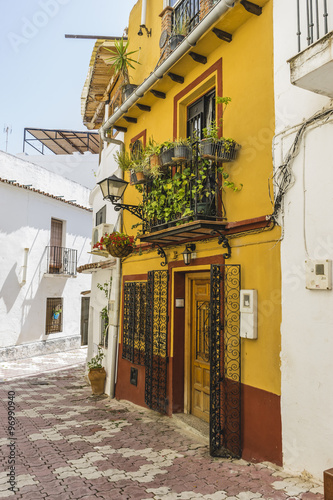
61, 142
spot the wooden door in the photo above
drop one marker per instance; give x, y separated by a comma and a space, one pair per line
200, 363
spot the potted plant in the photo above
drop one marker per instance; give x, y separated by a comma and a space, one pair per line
179, 31
213, 147
56, 312
121, 62
117, 244
167, 153
182, 150
96, 373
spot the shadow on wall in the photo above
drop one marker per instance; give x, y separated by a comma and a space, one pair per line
33, 310
10, 288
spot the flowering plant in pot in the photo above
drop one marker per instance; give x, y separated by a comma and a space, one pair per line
117, 244
213, 147
97, 373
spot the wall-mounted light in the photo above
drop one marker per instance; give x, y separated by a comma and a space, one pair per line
140, 32
187, 253
113, 189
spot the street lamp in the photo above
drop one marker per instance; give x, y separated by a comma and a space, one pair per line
113, 189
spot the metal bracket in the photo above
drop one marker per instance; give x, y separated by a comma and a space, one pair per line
223, 240
161, 253
134, 209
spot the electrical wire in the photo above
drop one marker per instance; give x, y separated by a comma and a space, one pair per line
283, 178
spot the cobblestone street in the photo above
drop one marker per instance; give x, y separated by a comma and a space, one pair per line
72, 445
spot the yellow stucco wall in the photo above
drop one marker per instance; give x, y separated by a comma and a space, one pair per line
247, 77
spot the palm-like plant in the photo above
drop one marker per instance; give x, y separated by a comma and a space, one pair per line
121, 59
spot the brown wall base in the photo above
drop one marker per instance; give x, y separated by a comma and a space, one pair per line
124, 389
261, 426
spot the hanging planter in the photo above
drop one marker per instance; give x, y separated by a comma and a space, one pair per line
137, 178
56, 313
182, 152
224, 150
166, 157
119, 251
117, 244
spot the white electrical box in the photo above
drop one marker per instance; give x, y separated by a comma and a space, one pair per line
318, 274
248, 314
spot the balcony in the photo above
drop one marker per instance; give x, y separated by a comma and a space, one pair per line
61, 262
312, 68
185, 203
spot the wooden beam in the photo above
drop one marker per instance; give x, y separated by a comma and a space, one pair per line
198, 57
157, 93
176, 78
120, 129
143, 107
130, 119
222, 35
251, 7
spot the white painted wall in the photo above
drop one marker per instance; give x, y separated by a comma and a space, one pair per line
25, 222
25, 172
98, 300
307, 315
76, 167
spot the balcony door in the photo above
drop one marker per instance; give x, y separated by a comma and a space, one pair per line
200, 115
56, 245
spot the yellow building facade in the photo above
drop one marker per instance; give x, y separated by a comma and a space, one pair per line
180, 347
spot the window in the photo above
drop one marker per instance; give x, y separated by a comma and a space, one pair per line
54, 312
101, 216
134, 324
55, 258
200, 115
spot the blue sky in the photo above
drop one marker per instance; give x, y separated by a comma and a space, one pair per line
42, 73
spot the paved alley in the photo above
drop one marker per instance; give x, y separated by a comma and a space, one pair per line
68, 444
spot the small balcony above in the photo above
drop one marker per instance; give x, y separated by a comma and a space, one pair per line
312, 68
61, 262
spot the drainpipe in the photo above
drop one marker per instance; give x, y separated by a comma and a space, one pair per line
114, 323
24, 267
143, 13
190, 41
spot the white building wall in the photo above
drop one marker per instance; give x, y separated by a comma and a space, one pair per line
98, 300
25, 222
307, 315
77, 167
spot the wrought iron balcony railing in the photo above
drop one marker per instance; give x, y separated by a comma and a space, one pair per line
185, 16
188, 191
312, 22
61, 261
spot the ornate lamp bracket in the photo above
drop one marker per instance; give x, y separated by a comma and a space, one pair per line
161, 253
223, 240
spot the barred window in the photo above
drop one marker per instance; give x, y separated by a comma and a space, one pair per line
134, 324
54, 311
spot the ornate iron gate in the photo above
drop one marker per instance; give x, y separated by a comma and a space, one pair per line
156, 341
134, 322
225, 368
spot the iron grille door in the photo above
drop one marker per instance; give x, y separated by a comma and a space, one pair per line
134, 322
225, 368
156, 341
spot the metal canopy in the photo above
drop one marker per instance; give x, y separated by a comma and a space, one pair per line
61, 142
190, 231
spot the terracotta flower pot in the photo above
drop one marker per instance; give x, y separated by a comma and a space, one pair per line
97, 380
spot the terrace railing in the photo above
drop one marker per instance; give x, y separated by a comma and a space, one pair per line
312, 22
61, 261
